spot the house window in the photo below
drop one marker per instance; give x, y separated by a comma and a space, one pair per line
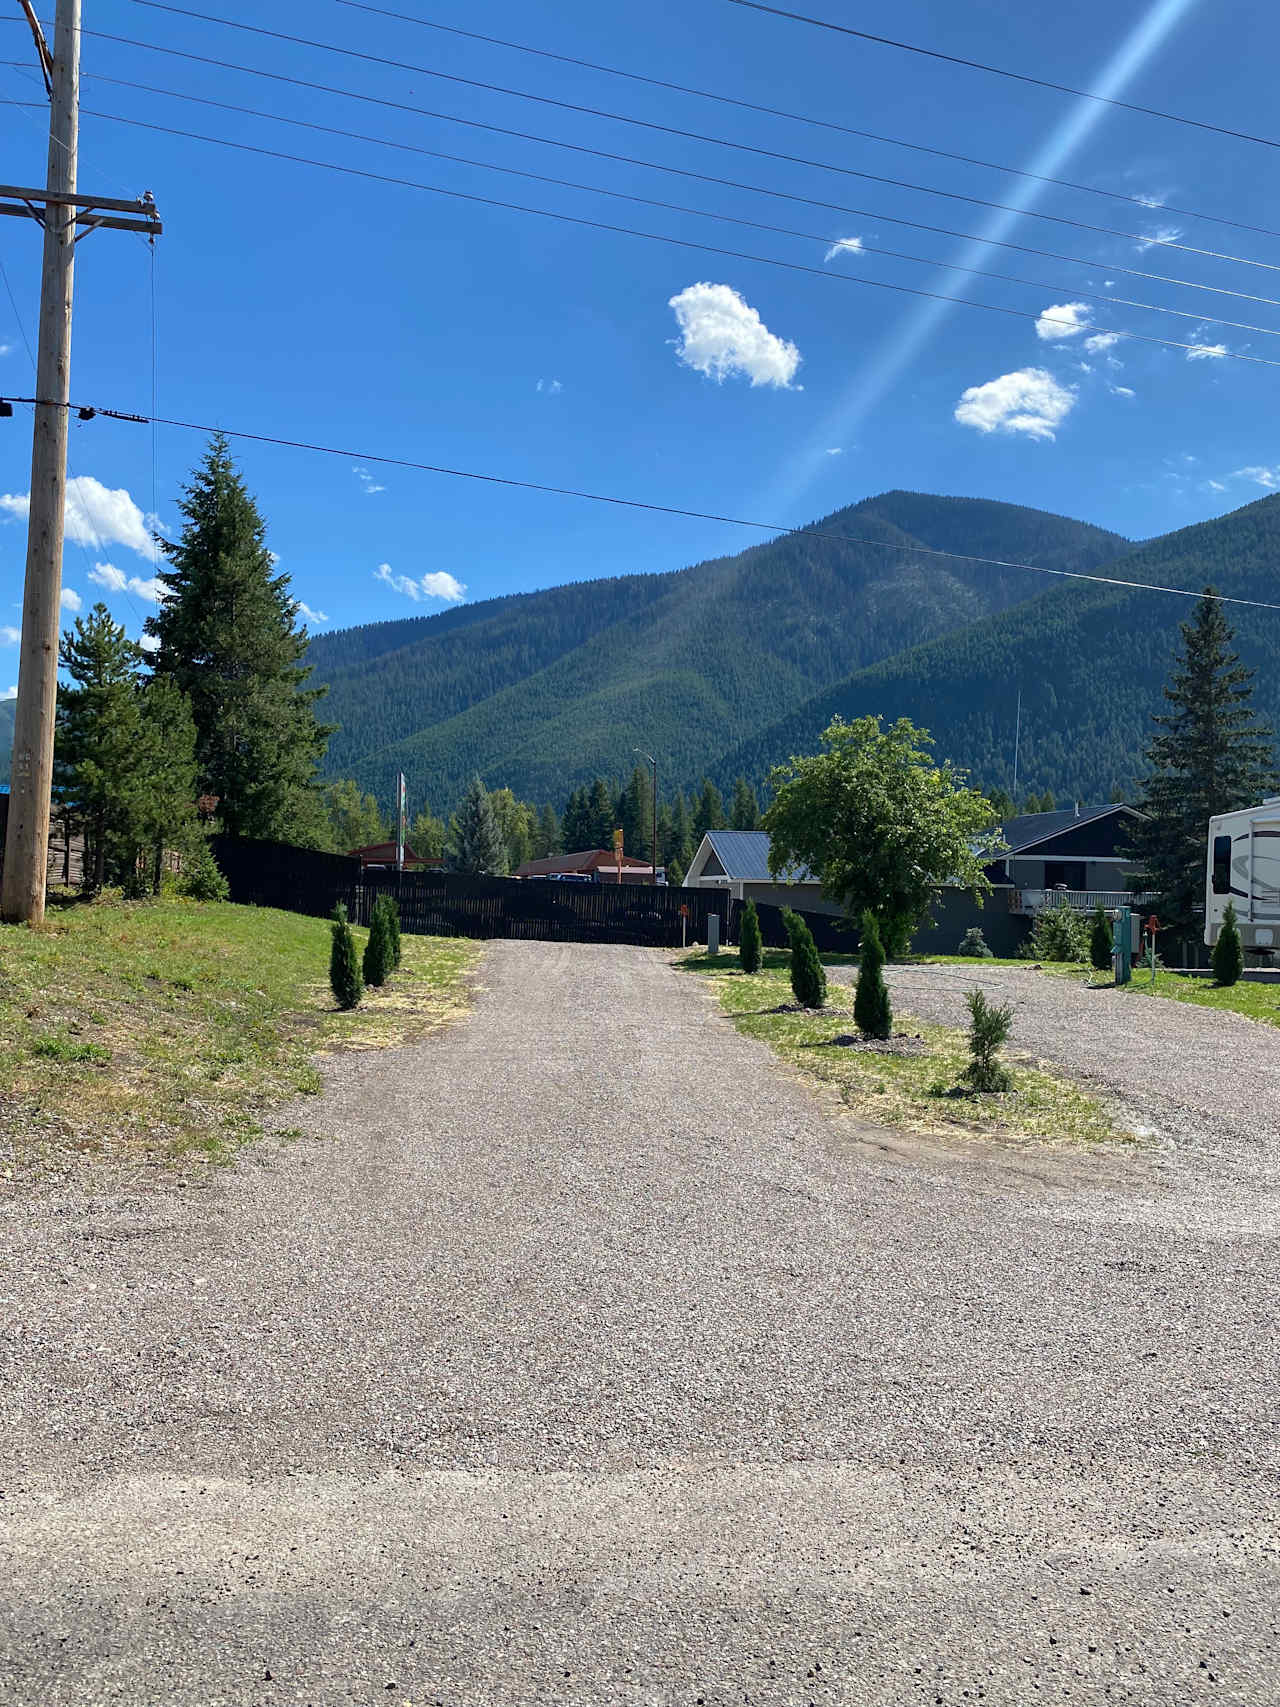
1064, 874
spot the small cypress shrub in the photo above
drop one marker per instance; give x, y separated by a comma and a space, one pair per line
393, 927
808, 979
344, 963
974, 945
1100, 940
988, 1031
377, 951
1228, 951
749, 940
872, 1010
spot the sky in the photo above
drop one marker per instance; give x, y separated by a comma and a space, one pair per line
390, 321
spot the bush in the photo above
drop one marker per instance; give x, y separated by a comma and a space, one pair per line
1060, 934
749, 940
872, 1011
344, 964
974, 944
808, 979
200, 877
988, 1031
1228, 951
1100, 940
377, 951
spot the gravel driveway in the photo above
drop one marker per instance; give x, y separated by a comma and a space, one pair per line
583, 1356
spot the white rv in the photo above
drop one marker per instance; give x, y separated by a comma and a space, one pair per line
1244, 868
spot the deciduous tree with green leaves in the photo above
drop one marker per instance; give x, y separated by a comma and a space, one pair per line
1210, 755
355, 819
880, 823
227, 635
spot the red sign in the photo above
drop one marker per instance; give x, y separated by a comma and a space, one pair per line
1154, 925
684, 911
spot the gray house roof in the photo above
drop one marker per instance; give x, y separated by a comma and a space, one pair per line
744, 855
1031, 828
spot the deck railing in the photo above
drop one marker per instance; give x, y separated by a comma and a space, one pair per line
1081, 900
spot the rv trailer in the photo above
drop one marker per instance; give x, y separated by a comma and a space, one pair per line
1244, 868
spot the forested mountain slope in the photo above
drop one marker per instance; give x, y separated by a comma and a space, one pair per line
1090, 662
543, 691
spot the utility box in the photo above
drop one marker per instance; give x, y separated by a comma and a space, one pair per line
713, 933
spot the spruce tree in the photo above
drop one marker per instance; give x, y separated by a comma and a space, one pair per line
227, 637
1100, 940
600, 816
749, 939
1210, 755
546, 835
709, 812
808, 976
98, 742
344, 963
166, 815
872, 1011
377, 949
635, 814
573, 830
1228, 951
679, 850
744, 814
988, 1032
478, 848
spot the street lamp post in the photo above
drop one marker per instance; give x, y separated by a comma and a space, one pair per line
654, 849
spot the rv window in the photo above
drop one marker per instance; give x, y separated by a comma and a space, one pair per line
1222, 865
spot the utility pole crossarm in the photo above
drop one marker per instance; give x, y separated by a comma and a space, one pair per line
22, 203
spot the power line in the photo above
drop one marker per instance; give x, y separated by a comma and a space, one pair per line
660, 237
652, 165
802, 118
778, 528
676, 207
996, 71
672, 130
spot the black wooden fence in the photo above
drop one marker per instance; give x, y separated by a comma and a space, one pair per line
438, 903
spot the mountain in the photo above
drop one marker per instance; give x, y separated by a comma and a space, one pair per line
1090, 662
542, 691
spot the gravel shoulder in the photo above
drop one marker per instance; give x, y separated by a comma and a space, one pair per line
577, 1354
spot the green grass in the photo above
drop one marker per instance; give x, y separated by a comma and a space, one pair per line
908, 1091
163, 1030
1254, 1001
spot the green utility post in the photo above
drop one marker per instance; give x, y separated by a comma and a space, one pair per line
1122, 945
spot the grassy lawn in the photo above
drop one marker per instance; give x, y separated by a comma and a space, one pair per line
162, 1030
906, 1089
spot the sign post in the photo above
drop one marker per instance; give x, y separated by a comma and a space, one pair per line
617, 854
401, 798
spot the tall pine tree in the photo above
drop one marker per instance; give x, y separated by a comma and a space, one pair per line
478, 845
98, 739
708, 814
635, 814
1210, 755
744, 814
227, 637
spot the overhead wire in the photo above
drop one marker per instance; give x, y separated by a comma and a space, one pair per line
1195, 350
993, 70
777, 528
652, 165
673, 130
702, 213
802, 118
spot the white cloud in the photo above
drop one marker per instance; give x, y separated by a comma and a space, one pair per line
1269, 478
835, 450
722, 335
551, 386
439, 585
6, 349
368, 484
1063, 320
1029, 401
1162, 234
97, 515
1217, 486
115, 580
148, 643
307, 614
71, 600
1206, 352
1122, 391
9, 636
844, 246
1153, 201
10, 693
1101, 341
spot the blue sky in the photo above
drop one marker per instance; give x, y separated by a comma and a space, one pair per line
303, 303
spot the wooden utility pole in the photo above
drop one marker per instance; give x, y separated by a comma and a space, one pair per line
61, 210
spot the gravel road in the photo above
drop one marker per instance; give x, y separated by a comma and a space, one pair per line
580, 1355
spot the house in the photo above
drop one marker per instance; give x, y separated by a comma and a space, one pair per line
381, 856
1073, 858
596, 865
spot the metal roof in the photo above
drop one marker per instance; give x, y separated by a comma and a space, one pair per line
744, 854
1031, 828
